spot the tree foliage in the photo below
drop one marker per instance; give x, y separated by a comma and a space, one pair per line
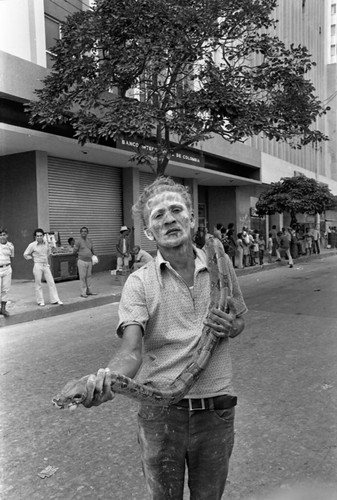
296, 195
201, 67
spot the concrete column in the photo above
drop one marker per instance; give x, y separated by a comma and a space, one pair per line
42, 194
277, 220
267, 229
280, 220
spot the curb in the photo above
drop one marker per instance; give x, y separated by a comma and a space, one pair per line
53, 310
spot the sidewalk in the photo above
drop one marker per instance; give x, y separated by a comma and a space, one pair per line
22, 305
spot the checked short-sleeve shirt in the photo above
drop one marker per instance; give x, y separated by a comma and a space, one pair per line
171, 316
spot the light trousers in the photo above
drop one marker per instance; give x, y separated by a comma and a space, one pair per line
122, 262
290, 259
84, 272
5, 282
44, 269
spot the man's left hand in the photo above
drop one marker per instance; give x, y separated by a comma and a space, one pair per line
225, 324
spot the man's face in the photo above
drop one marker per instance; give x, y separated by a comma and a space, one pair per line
39, 237
168, 219
84, 233
3, 237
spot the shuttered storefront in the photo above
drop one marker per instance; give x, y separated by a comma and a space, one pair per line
85, 194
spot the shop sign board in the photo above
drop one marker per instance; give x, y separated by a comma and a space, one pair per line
183, 156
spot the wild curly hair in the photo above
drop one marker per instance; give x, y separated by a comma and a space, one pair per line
160, 185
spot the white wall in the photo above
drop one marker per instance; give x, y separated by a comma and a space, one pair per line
274, 168
22, 30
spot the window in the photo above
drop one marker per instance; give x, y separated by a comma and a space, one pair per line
333, 9
53, 33
332, 50
333, 30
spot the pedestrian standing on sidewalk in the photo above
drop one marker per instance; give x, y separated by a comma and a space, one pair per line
308, 241
239, 246
85, 251
270, 248
315, 240
262, 246
254, 249
162, 312
231, 252
277, 246
123, 249
39, 251
6, 254
285, 246
275, 241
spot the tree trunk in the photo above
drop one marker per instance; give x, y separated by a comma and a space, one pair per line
161, 166
293, 221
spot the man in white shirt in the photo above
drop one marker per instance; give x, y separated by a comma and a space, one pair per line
6, 253
39, 251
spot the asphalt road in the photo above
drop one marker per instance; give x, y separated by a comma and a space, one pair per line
285, 375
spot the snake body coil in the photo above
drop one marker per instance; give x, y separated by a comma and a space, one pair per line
74, 392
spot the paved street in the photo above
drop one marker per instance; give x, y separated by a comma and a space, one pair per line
285, 375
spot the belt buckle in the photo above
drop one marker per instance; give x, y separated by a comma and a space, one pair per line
190, 404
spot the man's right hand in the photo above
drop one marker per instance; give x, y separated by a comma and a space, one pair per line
99, 388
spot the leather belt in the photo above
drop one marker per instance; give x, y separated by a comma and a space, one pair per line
223, 402
5, 265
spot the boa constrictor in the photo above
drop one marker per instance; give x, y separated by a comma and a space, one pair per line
74, 392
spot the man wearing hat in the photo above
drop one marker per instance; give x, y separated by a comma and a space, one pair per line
123, 249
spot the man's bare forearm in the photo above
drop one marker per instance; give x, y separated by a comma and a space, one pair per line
125, 363
128, 359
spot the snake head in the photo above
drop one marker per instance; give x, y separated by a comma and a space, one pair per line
72, 394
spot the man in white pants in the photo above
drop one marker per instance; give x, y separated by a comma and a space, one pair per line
39, 251
6, 253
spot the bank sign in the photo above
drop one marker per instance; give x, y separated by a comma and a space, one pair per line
183, 156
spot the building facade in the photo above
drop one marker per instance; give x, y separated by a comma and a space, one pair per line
48, 180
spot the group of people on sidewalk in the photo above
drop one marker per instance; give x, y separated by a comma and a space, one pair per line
250, 247
39, 252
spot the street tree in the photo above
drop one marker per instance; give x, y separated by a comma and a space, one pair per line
296, 195
176, 72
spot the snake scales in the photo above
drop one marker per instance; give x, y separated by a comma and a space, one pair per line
74, 392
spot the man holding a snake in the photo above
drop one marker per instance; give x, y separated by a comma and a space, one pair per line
162, 314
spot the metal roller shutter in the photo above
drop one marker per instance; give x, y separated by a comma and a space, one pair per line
85, 194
